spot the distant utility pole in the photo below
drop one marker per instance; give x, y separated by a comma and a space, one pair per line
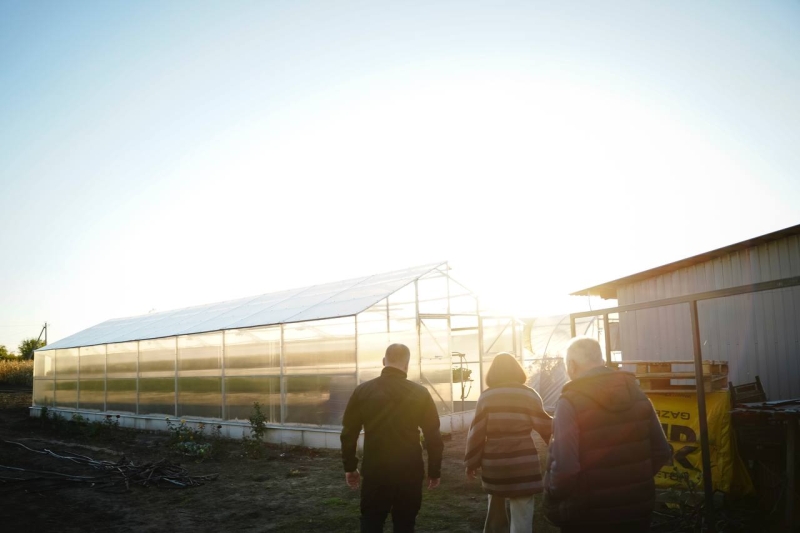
44, 330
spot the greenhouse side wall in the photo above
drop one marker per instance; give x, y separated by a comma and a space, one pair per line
302, 374
217, 376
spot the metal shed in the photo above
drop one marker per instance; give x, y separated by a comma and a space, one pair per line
739, 304
757, 332
299, 353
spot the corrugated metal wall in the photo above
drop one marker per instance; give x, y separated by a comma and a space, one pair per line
758, 334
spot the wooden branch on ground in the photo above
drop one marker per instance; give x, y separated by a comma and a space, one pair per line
113, 475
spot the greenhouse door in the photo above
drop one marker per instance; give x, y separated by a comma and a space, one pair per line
465, 347
436, 371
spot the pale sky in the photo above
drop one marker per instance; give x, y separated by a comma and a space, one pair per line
157, 155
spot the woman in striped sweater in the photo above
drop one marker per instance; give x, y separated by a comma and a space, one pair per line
500, 443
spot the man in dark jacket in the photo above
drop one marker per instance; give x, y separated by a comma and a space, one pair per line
607, 447
391, 410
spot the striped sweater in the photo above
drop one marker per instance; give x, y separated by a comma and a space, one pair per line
500, 441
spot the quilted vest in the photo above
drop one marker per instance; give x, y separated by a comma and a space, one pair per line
615, 483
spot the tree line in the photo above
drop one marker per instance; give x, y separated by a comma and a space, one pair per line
24, 350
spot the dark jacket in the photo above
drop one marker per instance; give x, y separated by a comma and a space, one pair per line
607, 447
392, 409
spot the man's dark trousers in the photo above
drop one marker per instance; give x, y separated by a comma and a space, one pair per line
379, 497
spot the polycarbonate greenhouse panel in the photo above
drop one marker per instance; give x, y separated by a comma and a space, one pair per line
242, 392
346, 308
330, 300
550, 335
241, 312
253, 352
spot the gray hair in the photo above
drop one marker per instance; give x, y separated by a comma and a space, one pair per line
585, 351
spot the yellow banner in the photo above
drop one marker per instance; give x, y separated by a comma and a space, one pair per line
678, 416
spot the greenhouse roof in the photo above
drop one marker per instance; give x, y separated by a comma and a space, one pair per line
329, 300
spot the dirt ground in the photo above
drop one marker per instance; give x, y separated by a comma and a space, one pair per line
287, 490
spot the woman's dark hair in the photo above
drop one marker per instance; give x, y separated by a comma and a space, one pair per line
505, 369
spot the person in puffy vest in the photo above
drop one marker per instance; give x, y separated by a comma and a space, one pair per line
607, 446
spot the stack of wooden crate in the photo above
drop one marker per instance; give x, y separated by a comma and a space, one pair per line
660, 376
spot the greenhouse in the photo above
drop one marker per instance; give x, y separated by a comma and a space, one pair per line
545, 341
299, 353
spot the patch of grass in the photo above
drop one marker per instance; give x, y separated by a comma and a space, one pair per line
16, 373
335, 502
107, 430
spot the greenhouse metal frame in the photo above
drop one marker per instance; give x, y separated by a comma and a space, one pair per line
299, 353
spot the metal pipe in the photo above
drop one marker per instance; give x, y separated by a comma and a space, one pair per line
607, 334
518, 353
701, 408
791, 442
480, 349
282, 380
355, 332
552, 331
177, 411
419, 331
223, 407
105, 377
710, 295
499, 336
450, 347
78, 382
138, 378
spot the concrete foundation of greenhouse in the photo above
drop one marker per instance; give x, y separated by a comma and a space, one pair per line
310, 437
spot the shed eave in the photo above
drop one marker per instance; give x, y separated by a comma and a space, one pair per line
608, 290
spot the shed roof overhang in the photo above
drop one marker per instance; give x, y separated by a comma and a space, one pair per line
608, 290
